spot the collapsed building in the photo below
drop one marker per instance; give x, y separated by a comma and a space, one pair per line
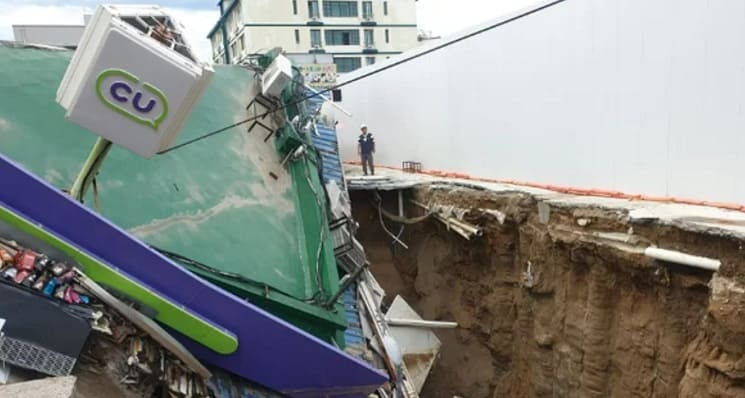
214, 272
576, 261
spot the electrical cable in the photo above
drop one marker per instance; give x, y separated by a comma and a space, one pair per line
364, 76
382, 223
96, 199
230, 275
405, 220
88, 174
319, 202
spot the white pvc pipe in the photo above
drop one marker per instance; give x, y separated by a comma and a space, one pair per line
452, 227
465, 226
460, 227
418, 323
682, 258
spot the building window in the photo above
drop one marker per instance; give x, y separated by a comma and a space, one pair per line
371, 60
315, 38
344, 65
339, 8
385, 8
294, 7
297, 36
369, 38
343, 37
367, 10
313, 9
387, 36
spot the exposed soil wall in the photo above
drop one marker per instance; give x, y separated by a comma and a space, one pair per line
549, 305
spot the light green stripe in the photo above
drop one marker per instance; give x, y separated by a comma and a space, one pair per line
169, 313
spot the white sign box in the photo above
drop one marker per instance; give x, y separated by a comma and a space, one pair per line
133, 79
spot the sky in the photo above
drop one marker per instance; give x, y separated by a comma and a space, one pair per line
441, 17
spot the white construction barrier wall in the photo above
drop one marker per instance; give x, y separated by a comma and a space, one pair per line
639, 96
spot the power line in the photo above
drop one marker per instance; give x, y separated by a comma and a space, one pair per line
366, 75
180, 258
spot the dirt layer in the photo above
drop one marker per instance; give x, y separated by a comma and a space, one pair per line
552, 303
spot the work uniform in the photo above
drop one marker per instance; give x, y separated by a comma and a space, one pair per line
367, 148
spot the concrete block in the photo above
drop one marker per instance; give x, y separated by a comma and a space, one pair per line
53, 387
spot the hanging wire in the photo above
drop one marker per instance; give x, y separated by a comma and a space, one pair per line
229, 275
364, 76
319, 202
379, 203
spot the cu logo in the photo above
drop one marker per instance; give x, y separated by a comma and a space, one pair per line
138, 101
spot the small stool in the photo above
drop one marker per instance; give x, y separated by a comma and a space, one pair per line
411, 167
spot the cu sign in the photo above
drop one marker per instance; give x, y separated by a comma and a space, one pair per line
138, 101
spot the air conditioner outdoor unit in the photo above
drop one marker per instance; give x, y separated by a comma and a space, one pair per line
133, 80
276, 77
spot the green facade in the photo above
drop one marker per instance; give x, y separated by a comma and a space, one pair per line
226, 201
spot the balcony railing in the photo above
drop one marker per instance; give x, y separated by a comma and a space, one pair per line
315, 20
368, 19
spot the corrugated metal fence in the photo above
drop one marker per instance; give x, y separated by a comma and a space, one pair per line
326, 142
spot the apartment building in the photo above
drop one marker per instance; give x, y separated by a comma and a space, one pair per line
52, 35
350, 34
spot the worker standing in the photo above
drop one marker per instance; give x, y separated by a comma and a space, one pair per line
366, 149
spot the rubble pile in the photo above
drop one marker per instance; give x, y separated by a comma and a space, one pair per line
132, 359
37, 272
115, 346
